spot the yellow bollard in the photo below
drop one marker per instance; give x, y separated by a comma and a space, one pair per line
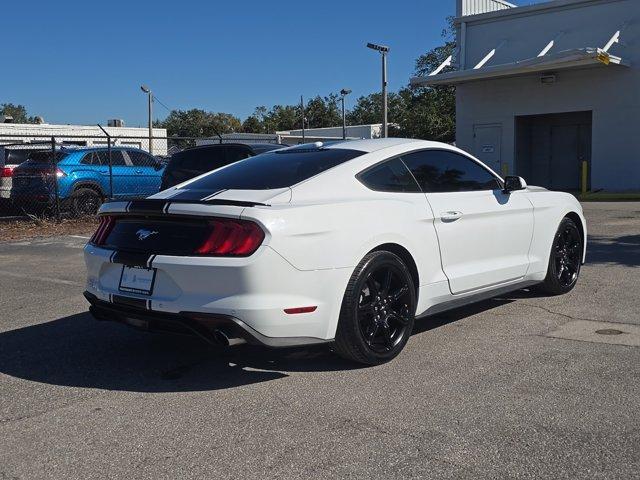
505, 169
585, 172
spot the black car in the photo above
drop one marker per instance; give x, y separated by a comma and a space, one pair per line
195, 161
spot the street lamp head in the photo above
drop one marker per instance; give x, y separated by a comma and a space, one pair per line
380, 48
145, 89
345, 91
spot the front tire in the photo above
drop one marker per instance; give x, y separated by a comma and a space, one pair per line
378, 310
565, 260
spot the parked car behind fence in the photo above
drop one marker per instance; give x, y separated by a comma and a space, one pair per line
80, 179
194, 161
59, 176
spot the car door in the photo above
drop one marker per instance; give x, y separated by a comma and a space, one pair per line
484, 233
120, 171
146, 178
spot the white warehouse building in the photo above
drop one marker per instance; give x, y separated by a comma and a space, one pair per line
549, 91
83, 135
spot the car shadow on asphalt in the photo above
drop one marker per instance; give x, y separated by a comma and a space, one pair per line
622, 250
77, 351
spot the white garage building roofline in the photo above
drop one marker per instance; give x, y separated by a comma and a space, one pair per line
568, 59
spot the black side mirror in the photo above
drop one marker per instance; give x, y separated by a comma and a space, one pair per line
513, 183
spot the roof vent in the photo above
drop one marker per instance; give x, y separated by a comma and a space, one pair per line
115, 122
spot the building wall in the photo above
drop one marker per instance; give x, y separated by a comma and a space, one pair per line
612, 93
137, 137
353, 131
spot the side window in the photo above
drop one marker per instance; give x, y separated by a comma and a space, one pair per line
444, 171
235, 154
389, 176
117, 158
141, 159
90, 158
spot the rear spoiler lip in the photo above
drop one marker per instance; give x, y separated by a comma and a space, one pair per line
161, 205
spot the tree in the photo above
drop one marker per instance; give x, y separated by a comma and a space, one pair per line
199, 123
18, 112
368, 110
319, 111
252, 124
416, 112
431, 111
323, 112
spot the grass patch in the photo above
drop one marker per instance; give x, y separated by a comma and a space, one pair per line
34, 227
609, 197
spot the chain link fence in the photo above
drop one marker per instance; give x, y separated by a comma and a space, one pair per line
71, 176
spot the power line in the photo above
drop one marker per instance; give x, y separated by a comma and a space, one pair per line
160, 102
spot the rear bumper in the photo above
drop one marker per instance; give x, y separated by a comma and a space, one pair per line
251, 293
203, 325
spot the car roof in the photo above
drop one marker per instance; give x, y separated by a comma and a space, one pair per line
375, 144
73, 148
232, 144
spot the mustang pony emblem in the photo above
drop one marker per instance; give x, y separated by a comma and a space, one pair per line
144, 234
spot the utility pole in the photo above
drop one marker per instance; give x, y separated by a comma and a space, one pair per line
344, 92
149, 93
303, 119
383, 51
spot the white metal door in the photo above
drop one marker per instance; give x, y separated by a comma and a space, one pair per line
487, 145
484, 237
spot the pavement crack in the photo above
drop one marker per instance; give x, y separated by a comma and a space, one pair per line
564, 315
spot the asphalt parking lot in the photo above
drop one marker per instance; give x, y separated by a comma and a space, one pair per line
519, 386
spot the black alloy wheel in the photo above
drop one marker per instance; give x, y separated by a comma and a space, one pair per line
378, 309
383, 308
565, 259
567, 255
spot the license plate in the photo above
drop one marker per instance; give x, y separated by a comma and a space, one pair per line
137, 280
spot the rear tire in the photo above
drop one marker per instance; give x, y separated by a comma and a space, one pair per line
378, 310
565, 260
85, 201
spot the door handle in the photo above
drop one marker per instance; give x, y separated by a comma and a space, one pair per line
138, 171
450, 216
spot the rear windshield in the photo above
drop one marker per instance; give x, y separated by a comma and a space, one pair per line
257, 149
201, 159
45, 156
277, 169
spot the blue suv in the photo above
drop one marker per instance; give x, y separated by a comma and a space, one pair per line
83, 177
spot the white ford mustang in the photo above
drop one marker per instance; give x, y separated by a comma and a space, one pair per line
346, 242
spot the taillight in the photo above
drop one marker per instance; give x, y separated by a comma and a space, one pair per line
6, 172
60, 173
104, 229
229, 237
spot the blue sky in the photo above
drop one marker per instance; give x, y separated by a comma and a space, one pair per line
75, 61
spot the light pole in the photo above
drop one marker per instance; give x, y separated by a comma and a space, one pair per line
383, 51
344, 92
149, 93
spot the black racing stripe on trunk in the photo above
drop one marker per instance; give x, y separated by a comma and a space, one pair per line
130, 302
147, 206
131, 259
